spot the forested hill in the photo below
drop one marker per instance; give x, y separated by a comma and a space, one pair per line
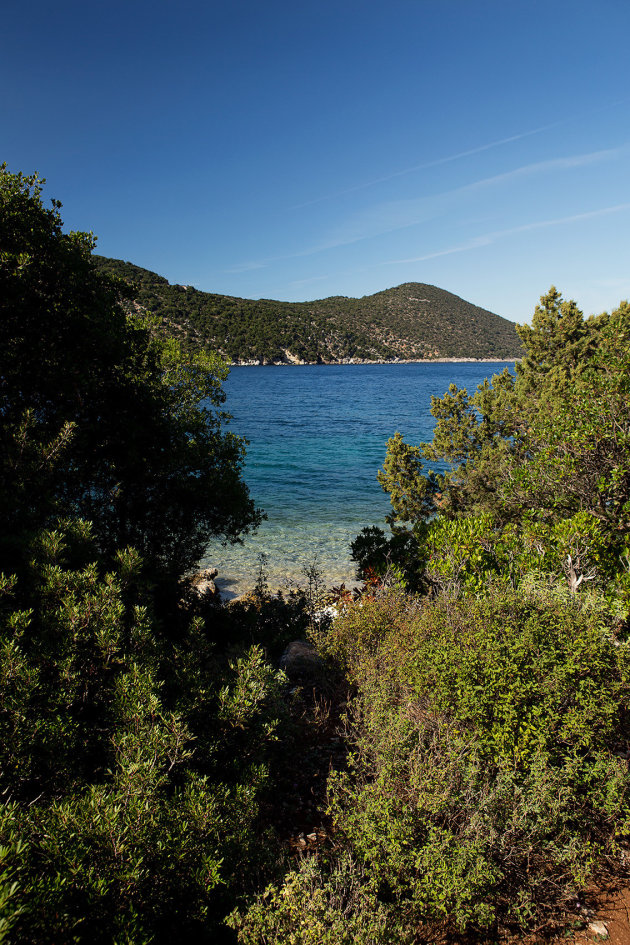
411, 321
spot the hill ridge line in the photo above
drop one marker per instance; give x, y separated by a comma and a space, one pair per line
412, 322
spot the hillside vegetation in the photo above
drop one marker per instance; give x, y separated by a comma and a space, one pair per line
412, 321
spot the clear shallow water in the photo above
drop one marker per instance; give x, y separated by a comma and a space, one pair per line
317, 436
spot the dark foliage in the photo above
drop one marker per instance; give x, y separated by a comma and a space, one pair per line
100, 418
135, 750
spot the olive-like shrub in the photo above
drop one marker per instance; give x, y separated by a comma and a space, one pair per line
488, 778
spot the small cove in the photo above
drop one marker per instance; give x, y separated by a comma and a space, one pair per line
317, 436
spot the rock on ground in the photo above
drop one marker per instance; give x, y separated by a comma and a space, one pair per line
301, 659
202, 583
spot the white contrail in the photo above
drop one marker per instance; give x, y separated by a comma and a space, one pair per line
446, 159
426, 164
487, 238
400, 214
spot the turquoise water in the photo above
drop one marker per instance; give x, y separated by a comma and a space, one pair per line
317, 436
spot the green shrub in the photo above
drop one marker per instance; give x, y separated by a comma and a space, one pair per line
487, 779
312, 907
132, 768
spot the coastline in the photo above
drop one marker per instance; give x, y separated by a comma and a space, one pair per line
315, 444
294, 362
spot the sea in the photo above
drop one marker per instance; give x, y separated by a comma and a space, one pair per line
317, 435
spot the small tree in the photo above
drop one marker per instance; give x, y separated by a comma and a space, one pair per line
543, 445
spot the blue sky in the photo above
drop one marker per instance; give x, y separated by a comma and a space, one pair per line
300, 150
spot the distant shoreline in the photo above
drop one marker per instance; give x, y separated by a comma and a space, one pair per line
360, 361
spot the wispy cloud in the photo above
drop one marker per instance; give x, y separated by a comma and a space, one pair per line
487, 239
300, 282
393, 215
459, 155
446, 159
552, 164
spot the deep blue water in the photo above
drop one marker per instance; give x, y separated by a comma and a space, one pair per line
317, 436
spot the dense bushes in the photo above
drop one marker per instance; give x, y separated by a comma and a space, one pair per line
488, 773
133, 768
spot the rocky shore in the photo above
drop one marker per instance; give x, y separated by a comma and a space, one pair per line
289, 361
